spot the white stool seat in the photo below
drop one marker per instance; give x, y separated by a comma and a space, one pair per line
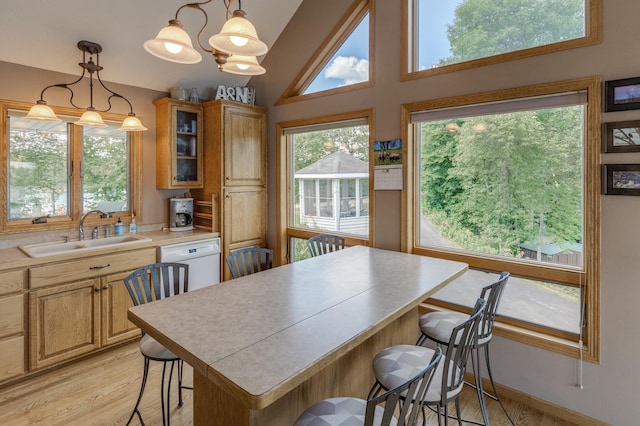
339, 412
397, 364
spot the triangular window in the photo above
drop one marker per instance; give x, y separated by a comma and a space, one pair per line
343, 60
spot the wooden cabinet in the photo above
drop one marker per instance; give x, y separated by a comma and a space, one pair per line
12, 324
235, 155
178, 144
78, 306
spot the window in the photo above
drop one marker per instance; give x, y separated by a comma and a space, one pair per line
508, 182
61, 170
324, 181
343, 60
452, 35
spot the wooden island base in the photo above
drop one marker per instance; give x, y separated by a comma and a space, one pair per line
349, 375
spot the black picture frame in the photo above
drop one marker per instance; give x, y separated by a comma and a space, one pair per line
622, 95
621, 136
621, 179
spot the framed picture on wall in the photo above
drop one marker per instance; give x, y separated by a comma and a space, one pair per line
622, 95
622, 136
621, 179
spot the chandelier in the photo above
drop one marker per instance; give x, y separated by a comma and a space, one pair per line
234, 49
91, 117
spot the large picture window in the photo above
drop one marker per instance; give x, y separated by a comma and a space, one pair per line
508, 185
60, 170
442, 36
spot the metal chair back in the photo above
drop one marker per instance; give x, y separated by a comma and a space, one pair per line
249, 260
492, 294
157, 281
324, 243
463, 340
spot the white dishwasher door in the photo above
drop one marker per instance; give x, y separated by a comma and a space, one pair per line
202, 256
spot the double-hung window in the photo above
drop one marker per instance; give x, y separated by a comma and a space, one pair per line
324, 184
509, 181
59, 170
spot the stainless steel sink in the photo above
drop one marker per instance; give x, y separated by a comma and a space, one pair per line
54, 248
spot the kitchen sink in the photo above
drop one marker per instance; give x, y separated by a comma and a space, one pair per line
56, 247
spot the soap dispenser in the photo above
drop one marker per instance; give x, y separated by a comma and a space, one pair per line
133, 227
119, 227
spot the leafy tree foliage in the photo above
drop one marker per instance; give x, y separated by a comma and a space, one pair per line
502, 180
483, 28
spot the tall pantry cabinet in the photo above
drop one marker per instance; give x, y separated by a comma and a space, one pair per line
235, 172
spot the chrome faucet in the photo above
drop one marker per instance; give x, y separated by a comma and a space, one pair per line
102, 214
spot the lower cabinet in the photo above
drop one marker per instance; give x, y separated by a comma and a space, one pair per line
79, 306
12, 324
114, 303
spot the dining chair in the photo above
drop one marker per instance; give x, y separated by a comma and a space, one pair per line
145, 285
249, 260
379, 410
437, 327
324, 243
393, 365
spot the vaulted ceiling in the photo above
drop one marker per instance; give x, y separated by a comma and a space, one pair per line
44, 34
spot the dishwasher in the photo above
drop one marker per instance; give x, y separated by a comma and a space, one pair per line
202, 256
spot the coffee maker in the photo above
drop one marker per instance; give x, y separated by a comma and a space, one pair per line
180, 214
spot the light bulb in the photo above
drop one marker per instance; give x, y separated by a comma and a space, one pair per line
173, 48
243, 66
239, 41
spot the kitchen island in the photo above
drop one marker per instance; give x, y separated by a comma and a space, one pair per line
266, 346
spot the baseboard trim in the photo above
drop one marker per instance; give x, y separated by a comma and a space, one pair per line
540, 404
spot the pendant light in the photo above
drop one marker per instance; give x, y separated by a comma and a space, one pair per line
91, 117
237, 37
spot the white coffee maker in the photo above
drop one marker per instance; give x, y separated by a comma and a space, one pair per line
180, 214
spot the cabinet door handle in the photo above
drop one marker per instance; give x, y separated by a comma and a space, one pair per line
100, 266
106, 287
227, 178
96, 289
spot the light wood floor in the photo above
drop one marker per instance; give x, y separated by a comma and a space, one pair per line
103, 389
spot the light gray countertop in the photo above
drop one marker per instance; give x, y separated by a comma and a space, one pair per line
15, 258
261, 335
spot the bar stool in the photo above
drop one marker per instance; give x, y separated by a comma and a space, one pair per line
437, 326
376, 410
147, 284
394, 364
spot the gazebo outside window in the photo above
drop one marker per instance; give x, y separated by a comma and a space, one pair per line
335, 194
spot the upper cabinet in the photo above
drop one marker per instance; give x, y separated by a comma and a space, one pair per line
178, 144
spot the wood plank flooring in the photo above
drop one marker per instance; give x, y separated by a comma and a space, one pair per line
103, 389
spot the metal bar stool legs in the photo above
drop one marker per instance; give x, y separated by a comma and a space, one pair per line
495, 396
135, 411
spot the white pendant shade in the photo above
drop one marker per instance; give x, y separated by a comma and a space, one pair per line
243, 65
42, 112
173, 44
132, 124
91, 118
239, 37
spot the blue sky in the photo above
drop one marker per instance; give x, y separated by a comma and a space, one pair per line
350, 64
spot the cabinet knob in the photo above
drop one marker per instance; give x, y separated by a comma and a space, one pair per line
96, 289
106, 287
227, 178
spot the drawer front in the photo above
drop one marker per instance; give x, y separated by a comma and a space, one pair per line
12, 282
11, 315
11, 358
89, 267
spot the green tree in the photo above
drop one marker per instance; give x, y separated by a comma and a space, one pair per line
483, 28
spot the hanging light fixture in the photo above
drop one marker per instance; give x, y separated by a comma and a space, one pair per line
238, 37
91, 117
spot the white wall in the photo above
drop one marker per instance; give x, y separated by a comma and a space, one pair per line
609, 392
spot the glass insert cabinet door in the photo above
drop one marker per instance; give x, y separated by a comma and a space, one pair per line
179, 144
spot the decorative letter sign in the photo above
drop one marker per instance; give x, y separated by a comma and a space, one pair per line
246, 95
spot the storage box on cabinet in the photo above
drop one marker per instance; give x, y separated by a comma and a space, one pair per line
12, 324
74, 305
